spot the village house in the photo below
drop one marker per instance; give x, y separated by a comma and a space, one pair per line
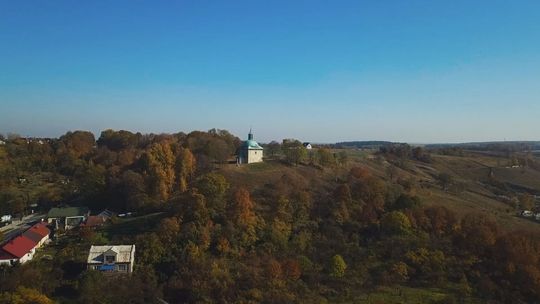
68, 217
250, 151
112, 258
39, 233
307, 145
20, 247
94, 221
23, 247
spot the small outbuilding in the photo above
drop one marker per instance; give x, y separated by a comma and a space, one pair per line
67, 217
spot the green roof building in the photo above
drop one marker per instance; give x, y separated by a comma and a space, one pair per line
250, 151
67, 217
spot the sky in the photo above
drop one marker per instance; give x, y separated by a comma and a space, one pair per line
321, 71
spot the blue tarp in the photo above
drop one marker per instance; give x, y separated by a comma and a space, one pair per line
106, 268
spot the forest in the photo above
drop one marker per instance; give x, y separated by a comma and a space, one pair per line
303, 227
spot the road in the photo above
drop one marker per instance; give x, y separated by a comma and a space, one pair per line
18, 226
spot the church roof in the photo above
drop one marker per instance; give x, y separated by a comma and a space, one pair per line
250, 144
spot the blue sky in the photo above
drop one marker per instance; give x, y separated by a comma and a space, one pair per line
321, 71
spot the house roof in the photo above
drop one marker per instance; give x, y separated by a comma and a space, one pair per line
37, 232
35, 237
124, 253
67, 212
6, 255
106, 213
94, 220
19, 246
41, 229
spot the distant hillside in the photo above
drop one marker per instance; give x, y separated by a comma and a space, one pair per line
362, 144
515, 146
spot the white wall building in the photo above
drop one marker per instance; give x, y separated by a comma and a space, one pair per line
250, 151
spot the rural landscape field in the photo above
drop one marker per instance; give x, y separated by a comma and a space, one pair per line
273, 152
367, 223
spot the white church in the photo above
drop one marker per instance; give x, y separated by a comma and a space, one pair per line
250, 151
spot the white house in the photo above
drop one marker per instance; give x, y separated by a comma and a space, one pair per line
112, 258
250, 151
308, 146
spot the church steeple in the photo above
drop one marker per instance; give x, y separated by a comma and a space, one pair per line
250, 135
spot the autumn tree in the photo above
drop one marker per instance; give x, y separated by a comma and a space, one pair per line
118, 140
78, 143
244, 217
159, 164
527, 201
24, 295
185, 168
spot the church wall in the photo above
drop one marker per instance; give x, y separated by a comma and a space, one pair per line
255, 156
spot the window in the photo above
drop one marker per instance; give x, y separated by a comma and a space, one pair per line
96, 267
122, 267
109, 259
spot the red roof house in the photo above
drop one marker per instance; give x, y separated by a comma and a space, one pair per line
41, 229
6, 256
94, 221
38, 233
19, 246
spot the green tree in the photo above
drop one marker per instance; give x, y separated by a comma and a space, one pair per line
273, 148
325, 158
294, 151
214, 187
395, 222
446, 180
337, 266
343, 158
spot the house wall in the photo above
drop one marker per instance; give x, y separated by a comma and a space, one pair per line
129, 267
27, 257
255, 156
132, 262
44, 240
74, 221
7, 262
